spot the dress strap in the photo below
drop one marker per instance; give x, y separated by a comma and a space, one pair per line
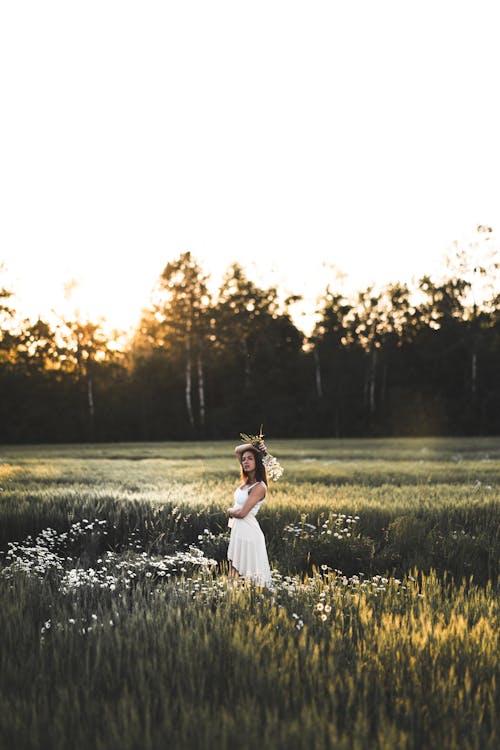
253, 485
256, 483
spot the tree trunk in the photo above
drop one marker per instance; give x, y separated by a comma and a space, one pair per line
90, 398
319, 385
371, 387
189, 405
201, 390
90, 402
474, 373
384, 384
246, 364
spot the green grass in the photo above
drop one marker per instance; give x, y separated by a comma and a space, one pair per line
113, 637
431, 503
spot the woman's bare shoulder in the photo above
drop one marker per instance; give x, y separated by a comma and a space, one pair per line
260, 486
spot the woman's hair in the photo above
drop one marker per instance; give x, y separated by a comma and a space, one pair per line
260, 469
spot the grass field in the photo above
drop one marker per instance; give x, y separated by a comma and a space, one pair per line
381, 631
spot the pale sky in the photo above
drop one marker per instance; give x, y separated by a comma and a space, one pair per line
284, 135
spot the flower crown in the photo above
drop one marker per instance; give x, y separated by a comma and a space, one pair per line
273, 466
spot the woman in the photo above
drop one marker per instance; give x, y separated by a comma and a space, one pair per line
247, 552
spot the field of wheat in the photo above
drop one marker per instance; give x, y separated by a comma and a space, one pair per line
381, 630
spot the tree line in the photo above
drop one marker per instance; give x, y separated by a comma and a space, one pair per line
395, 361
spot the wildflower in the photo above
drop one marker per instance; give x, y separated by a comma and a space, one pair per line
273, 467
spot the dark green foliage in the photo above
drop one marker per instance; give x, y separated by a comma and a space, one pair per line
208, 367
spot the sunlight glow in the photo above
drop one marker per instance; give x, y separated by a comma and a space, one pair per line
289, 137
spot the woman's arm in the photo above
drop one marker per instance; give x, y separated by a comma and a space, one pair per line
255, 495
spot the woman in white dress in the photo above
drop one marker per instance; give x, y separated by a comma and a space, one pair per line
247, 552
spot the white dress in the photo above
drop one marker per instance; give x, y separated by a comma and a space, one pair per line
247, 546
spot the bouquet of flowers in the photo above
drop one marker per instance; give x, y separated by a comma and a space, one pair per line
273, 466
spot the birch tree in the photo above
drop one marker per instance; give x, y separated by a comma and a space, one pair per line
86, 345
476, 262
181, 307
243, 311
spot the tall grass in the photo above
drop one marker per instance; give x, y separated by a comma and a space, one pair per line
439, 510
119, 631
196, 664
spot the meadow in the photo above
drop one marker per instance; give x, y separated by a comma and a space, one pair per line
119, 629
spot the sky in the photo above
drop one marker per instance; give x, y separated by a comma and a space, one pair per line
300, 139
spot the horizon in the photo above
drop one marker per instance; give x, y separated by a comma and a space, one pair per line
303, 312
288, 138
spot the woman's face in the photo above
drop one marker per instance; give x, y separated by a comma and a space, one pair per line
248, 462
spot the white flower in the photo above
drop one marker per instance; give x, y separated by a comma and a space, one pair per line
274, 469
